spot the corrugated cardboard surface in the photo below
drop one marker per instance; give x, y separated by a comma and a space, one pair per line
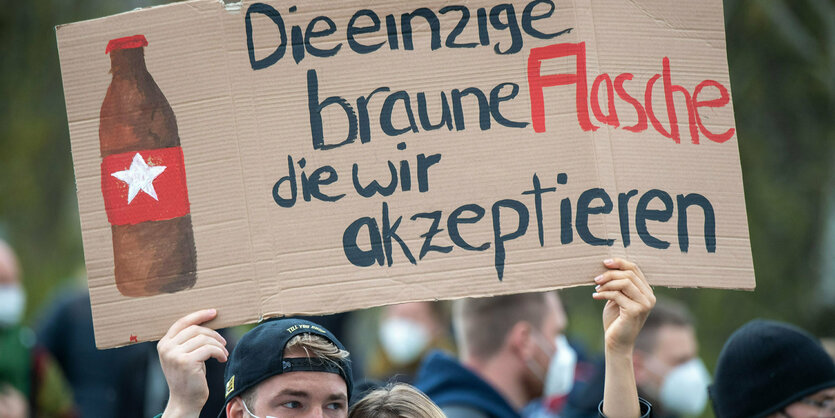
238, 126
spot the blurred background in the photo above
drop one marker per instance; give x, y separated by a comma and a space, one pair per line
782, 67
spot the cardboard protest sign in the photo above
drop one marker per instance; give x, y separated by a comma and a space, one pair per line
274, 158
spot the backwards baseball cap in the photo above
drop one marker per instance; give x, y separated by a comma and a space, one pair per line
260, 355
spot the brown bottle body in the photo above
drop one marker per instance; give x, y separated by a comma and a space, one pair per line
150, 257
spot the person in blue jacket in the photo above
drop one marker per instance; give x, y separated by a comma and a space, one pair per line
507, 343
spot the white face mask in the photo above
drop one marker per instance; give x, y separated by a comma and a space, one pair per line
12, 304
403, 340
684, 390
560, 377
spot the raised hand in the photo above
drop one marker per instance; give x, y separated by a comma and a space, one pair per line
182, 355
629, 299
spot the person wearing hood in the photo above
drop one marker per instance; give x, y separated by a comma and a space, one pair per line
512, 350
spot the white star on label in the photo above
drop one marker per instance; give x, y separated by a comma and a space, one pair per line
140, 176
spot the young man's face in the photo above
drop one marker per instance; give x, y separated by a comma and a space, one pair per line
301, 394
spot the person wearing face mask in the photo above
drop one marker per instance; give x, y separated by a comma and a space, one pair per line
408, 331
505, 346
559, 381
668, 372
511, 349
31, 383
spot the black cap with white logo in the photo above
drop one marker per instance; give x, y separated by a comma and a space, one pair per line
260, 355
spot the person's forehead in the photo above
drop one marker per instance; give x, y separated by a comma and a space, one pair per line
676, 343
317, 385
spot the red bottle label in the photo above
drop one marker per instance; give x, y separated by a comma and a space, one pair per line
146, 185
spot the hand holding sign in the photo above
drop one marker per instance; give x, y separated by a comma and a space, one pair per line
629, 299
183, 352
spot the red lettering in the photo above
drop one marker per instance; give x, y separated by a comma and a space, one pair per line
651, 113
642, 116
612, 117
669, 89
724, 98
537, 81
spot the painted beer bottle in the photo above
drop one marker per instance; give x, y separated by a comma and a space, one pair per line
143, 179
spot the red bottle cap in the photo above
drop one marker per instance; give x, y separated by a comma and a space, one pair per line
135, 41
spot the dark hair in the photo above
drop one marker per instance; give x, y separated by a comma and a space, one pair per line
667, 312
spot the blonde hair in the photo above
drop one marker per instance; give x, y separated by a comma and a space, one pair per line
313, 345
396, 401
310, 346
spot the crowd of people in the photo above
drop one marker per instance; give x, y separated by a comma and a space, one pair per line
499, 357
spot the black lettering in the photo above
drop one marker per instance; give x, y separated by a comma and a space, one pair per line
423, 163
537, 192
511, 24
433, 230
495, 99
281, 201
499, 238
710, 221
356, 255
311, 33
311, 186
423, 113
642, 214
456, 219
584, 210
315, 109
623, 214
389, 233
431, 19
275, 16
353, 30
483, 108
388, 109
462, 23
